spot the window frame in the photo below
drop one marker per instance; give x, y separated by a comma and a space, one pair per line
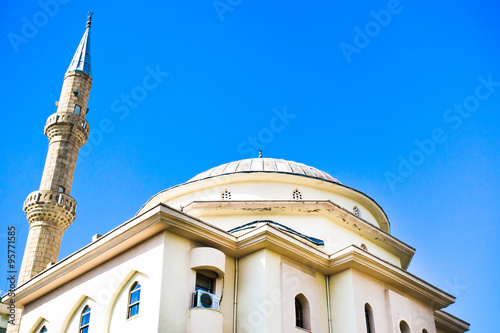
302, 312
84, 328
135, 305
299, 314
404, 327
77, 110
211, 281
370, 323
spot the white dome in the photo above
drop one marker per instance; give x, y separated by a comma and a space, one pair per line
264, 181
271, 165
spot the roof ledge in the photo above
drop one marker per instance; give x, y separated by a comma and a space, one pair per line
449, 323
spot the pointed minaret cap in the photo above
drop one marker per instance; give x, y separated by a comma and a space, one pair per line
81, 59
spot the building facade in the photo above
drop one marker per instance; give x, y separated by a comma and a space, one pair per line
257, 245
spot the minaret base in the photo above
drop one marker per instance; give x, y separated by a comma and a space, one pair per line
42, 248
15, 328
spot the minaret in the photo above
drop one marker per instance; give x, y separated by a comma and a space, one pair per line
51, 209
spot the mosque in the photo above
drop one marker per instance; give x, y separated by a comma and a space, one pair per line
256, 245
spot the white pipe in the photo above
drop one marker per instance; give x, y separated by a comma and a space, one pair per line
235, 302
328, 306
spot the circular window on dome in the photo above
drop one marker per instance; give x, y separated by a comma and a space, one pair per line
226, 195
296, 195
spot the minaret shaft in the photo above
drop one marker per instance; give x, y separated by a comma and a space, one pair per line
51, 209
67, 131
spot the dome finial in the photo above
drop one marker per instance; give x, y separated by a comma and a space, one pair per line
260, 153
89, 19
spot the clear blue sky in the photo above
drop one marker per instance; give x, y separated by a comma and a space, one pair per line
377, 94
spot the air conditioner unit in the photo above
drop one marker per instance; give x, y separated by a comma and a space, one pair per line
203, 299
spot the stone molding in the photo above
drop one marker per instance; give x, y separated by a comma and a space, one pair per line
63, 124
50, 207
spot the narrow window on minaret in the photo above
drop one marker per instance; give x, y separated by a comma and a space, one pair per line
78, 109
61, 189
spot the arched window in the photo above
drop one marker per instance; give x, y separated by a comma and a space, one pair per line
43, 330
403, 327
134, 299
356, 211
302, 312
299, 317
85, 321
424, 331
296, 195
226, 195
370, 326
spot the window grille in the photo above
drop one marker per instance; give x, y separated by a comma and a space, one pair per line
226, 195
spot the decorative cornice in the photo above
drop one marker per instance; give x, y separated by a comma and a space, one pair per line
324, 208
449, 323
162, 217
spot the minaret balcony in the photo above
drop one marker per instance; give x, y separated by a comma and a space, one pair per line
52, 207
69, 121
